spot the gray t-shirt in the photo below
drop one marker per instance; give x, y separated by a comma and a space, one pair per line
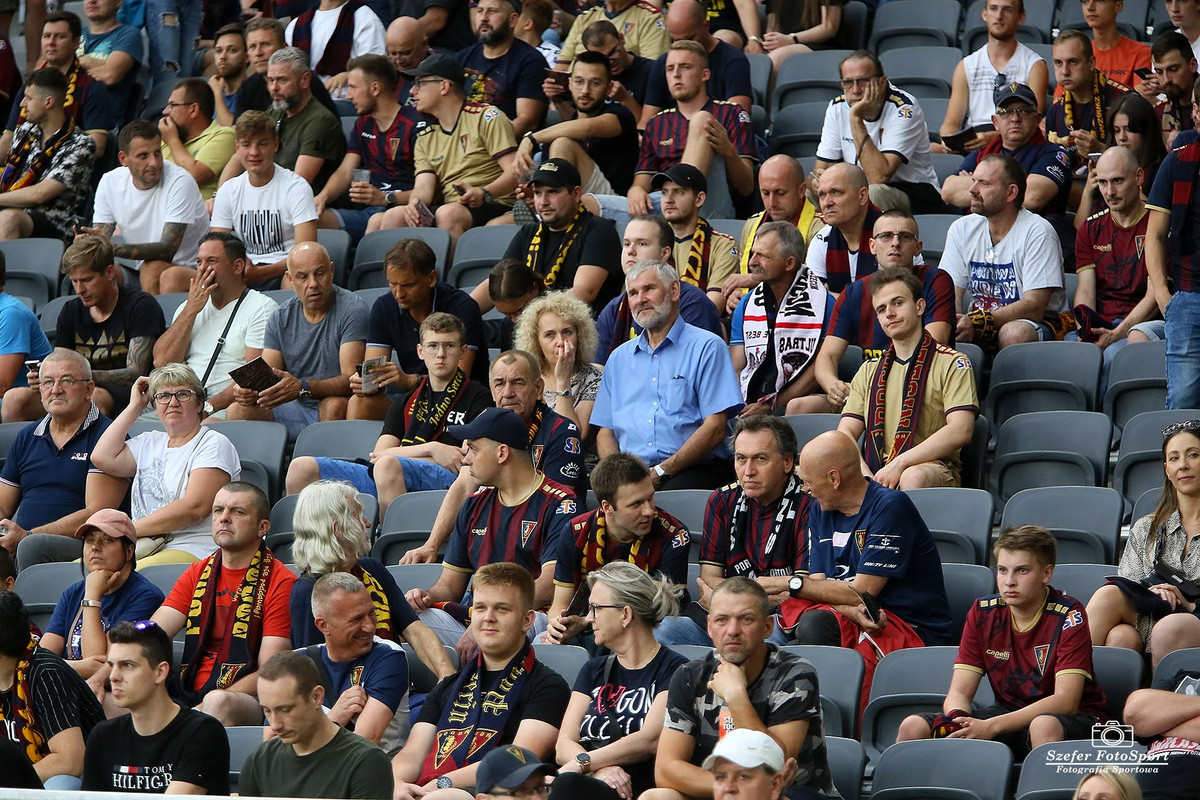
310, 350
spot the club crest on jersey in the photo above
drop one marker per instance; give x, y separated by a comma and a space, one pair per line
860, 538
356, 676
1040, 652
463, 140
1072, 619
537, 454
527, 527
1140, 243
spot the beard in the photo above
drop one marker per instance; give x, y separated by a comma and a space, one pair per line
498, 35
282, 104
655, 316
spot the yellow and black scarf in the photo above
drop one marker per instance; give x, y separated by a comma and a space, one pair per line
695, 271
21, 170
379, 599
569, 237
424, 421
32, 737
916, 375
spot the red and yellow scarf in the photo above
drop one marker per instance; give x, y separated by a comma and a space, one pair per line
916, 375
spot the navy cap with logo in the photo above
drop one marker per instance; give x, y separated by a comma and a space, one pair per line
685, 175
1015, 91
501, 425
508, 767
558, 173
439, 66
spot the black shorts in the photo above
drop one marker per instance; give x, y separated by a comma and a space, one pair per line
483, 214
43, 228
1075, 726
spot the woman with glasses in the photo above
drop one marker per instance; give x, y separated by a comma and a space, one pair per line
1121, 613
176, 472
609, 734
110, 593
558, 329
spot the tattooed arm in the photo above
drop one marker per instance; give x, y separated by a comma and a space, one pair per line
138, 362
163, 250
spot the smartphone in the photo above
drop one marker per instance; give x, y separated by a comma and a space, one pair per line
360, 175
1093, 158
558, 77
1144, 73
424, 215
32, 364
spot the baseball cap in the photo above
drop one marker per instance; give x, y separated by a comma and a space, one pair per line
508, 767
112, 523
501, 425
684, 174
439, 66
747, 748
1017, 91
558, 173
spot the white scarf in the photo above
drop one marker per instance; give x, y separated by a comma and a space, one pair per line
794, 336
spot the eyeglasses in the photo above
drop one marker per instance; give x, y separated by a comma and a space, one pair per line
419, 83
541, 790
165, 398
1020, 111
172, 104
889, 236
593, 606
850, 83
1175, 427
62, 383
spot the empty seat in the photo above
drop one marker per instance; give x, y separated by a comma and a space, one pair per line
338, 245
164, 576
1081, 580
413, 511
415, 576
565, 659
41, 585
915, 23
809, 426
390, 547
847, 763
796, 129
943, 768
955, 515
965, 583
374, 246
934, 227
922, 72
264, 442
1119, 673
349, 439
1050, 448
1043, 376
1137, 382
687, 506
807, 77
1085, 520
476, 252
840, 672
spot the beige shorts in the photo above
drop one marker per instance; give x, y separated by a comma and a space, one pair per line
598, 184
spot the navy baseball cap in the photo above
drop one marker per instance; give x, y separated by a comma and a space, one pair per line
509, 766
501, 425
1015, 91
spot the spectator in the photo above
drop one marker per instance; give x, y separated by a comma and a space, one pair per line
1121, 615
778, 326
111, 54
191, 138
1117, 56
331, 34
42, 186
173, 492
414, 451
1058, 699
604, 748
475, 179
157, 206
728, 67
798, 28
208, 333
268, 207
497, 459
331, 536
407, 47
264, 36
48, 486
21, 337
512, 767
47, 709
393, 329
1079, 116
242, 580
648, 236
1047, 166
501, 70
318, 337
1009, 258
755, 528
747, 761
534, 695
630, 71
88, 105
368, 675
309, 755
1108, 779
1174, 78
879, 127
598, 135
896, 242
906, 450
536, 17
745, 683
1003, 60
511, 287
557, 329
626, 528
707, 258
641, 23
685, 404
114, 326
1184, 16
111, 589
516, 383
381, 143
572, 247
1133, 125
230, 69
446, 23
840, 253
1166, 714
172, 30
158, 744
737, 23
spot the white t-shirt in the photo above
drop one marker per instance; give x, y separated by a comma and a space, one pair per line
368, 34
265, 217
900, 129
158, 479
246, 332
142, 213
1028, 257
981, 80
1195, 43
815, 260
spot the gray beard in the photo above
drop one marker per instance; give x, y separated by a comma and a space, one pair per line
282, 104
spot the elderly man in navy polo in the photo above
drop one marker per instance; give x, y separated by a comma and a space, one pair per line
667, 394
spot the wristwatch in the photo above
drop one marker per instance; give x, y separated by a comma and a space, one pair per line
487, 196
90, 603
660, 472
389, 199
795, 584
444, 782
585, 762
305, 392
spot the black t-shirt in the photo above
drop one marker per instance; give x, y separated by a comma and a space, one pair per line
475, 397
597, 245
193, 748
616, 156
60, 699
620, 704
253, 94
16, 772
392, 326
636, 77
106, 344
1172, 764
456, 34
730, 77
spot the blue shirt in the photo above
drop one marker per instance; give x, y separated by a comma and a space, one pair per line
888, 538
121, 39
136, 600
694, 308
382, 673
52, 482
21, 333
654, 400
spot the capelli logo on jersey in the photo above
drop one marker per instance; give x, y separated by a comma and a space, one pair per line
999, 655
479, 531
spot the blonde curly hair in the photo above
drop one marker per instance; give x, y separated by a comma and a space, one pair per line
576, 313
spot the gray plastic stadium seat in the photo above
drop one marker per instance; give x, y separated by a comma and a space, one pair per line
687, 506
242, 739
34, 256
413, 511
477, 252
254, 473
1185, 659
1119, 673
1081, 580
164, 576
944, 769
796, 129
847, 762
934, 227
852, 32
41, 585
965, 583
565, 659
1042, 777
1131, 21
338, 245
1081, 518
945, 165
415, 576
1137, 382
922, 72
390, 547
840, 672
692, 652
848, 364
48, 315
1145, 504
374, 246
729, 227
808, 426
1050, 448
349, 439
978, 359
960, 515
975, 32
1043, 376
421, 676
915, 23
261, 441
806, 78
760, 76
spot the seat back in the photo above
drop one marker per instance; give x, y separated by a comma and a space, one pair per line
923, 72
915, 23
1043, 376
965, 511
976, 767
338, 244
847, 763
1137, 382
687, 506
347, 439
1119, 673
264, 442
1093, 509
565, 659
965, 583
1050, 448
1043, 778
796, 129
415, 576
840, 672
164, 576
480, 248
1186, 659
1081, 580
413, 511
807, 77
374, 246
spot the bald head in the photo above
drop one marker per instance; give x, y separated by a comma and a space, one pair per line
1119, 179
687, 20
781, 186
830, 468
406, 43
1118, 158
781, 167
850, 174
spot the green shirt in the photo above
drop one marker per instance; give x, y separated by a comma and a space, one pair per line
348, 767
312, 132
212, 147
